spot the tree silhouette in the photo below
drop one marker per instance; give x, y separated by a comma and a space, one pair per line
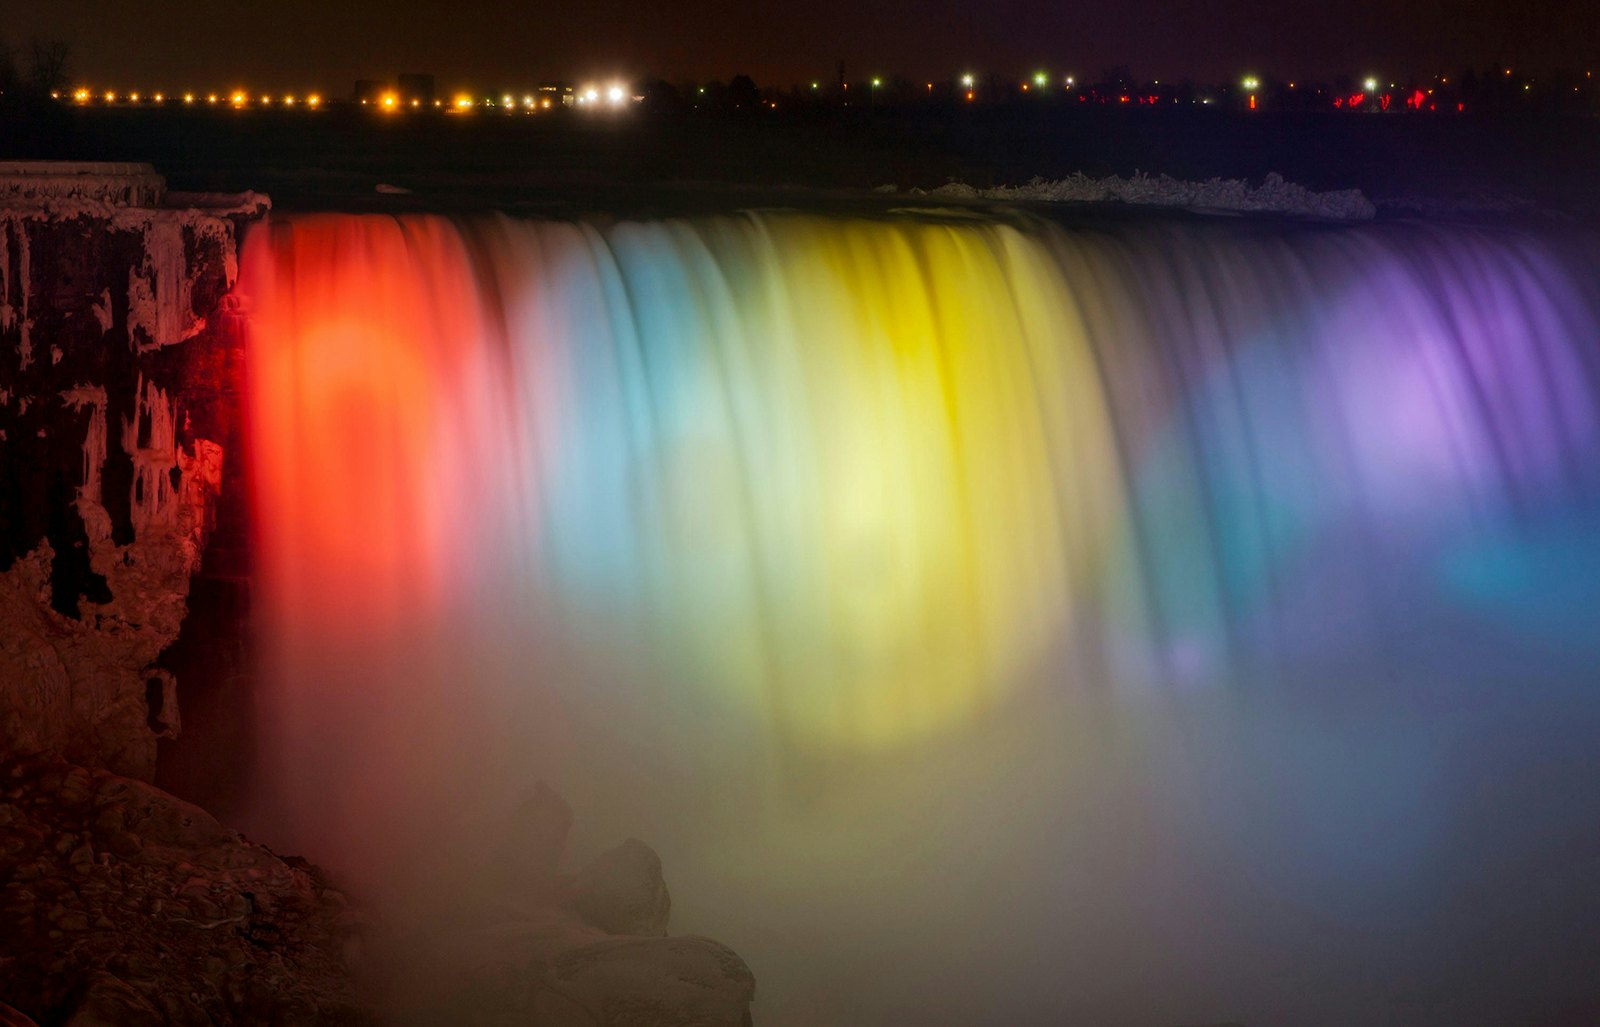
743, 94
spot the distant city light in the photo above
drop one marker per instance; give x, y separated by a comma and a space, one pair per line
527, 101
1040, 79
188, 98
969, 80
876, 82
288, 100
615, 94
211, 98
507, 101
1252, 83
313, 100
133, 97
1371, 85
82, 96
389, 101
1071, 81
160, 98
111, 97
816, 85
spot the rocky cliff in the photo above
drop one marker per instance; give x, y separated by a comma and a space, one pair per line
118, 368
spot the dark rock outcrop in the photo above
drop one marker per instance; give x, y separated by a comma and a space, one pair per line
126, 906
623, 892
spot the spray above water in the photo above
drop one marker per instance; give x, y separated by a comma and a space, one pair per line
785, 535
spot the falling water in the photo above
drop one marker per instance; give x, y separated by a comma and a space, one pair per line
989, 622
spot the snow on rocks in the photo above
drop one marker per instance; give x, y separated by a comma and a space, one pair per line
1231, 195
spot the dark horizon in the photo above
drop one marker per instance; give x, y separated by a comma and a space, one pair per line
301, 45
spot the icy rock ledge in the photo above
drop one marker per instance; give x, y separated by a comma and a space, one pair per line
1272, 196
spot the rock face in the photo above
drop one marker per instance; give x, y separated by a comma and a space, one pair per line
126, 906
582, 950
118, 358
622, 891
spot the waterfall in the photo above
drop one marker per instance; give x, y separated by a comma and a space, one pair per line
1067, 566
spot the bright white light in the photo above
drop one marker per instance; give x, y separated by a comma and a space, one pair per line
615, 94
1251, 83
592, 95
969, 80
1071, 81
1371, 84
1040, 79
876, 82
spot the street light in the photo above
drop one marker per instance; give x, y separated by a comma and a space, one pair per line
969, 80
1371, 84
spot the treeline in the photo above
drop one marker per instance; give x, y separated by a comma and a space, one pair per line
1481, 90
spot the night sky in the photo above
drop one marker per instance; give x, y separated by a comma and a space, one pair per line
325, 44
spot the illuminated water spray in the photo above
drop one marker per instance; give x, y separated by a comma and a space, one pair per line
819, 490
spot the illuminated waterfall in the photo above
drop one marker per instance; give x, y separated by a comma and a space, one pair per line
794, 492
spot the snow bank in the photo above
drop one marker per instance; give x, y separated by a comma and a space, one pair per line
1272, 196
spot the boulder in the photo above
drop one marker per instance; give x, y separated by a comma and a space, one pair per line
623, 892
